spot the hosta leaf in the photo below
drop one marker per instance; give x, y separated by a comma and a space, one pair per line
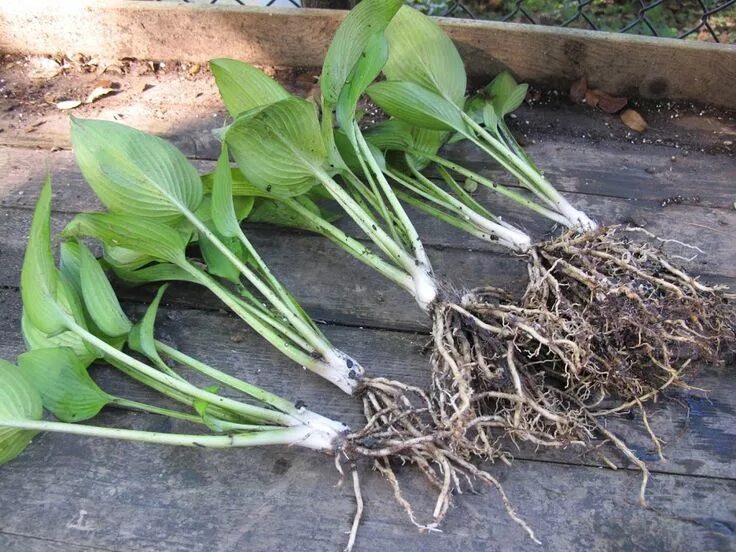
506, 94
217, 263
275, 212
223, 210
416, 105
121, 258
243, 87
39, 281
420, 52
62, 380
19, 401
141, 337
36, 339
70, 260
99, 298
241, 187
135, 173
361, 24
390, 135
159, 272
426, 141
364, 72
490, 117
279, 148
147, 237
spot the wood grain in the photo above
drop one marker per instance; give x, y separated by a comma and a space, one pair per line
619, 64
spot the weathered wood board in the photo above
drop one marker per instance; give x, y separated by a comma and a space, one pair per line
620, 64
66, 493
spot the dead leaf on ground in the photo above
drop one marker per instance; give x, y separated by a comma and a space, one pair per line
607, 102
141, 87
578, 89
98, 93
634, 120
591, 98
44, 68
68, 104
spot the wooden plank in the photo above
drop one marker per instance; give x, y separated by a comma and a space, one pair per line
147, 498
700, 444
123, 496
701, 226
23, 543
620, 64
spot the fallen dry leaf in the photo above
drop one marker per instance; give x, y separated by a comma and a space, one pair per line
607, 102
44, 68
591, 98
578, 89
98, 93
68, 104
634, 120
141, 87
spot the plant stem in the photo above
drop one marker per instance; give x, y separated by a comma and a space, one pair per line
135, 405
353, 246
246, 410
414, 242
425, 288
315, 338
528, 175
239, 385
299, 435
489, 230
338, 373
500, 189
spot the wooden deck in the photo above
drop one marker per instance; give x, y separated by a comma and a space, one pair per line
69, 493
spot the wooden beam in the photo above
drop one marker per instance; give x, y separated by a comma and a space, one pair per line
617, 63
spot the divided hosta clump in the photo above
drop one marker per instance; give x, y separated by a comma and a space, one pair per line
478, 395
72, 317
630, 320
536, 371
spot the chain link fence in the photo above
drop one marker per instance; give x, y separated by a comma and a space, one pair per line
709, 20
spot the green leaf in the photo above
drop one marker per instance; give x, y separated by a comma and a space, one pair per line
121, 258
39, 281
365, 20
390, 135
153, 239
426, 141
69, 264
506, 94
274, 212
36, 339
62, 380
159, 272
279, 148
99, 298
223, 210
490, 117
141, 337
243, 87
420, 52
217, 263
19, 401
364, 72
416, 105
241, 186
134, 173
